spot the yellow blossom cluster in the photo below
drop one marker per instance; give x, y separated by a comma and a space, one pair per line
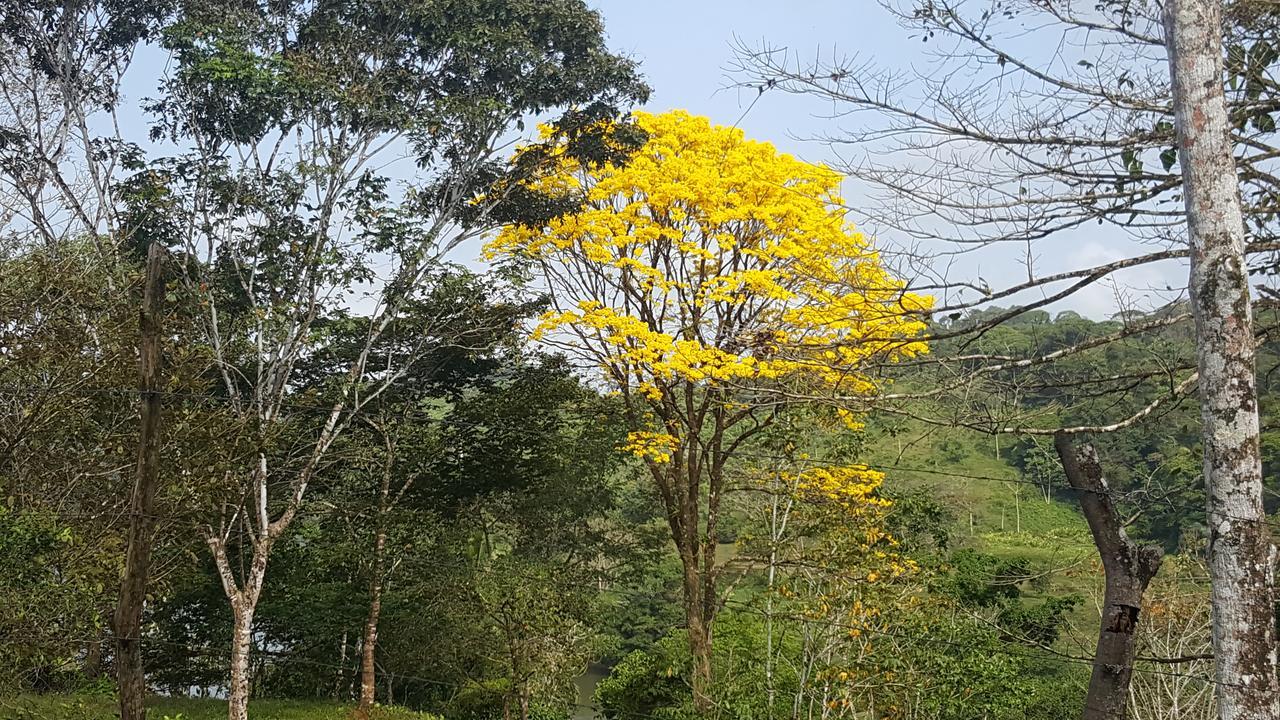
856, 514
654, 446
712, 259
850, 486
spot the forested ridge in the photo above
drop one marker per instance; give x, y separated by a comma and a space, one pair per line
391, 360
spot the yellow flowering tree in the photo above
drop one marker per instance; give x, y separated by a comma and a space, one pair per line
704, 278
831, 569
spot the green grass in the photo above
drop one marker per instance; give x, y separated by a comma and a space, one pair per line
962, 470
962, 466
994, 511
88, 707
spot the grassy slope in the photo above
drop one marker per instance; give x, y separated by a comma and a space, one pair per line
1053, 534
103, 708
964, 477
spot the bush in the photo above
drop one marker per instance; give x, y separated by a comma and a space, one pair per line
650, 683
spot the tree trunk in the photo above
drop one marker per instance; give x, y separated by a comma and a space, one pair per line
342, 666
699, 630
244, 602
133, 585
377, 579
1017, 510
695, 536
1128, 569
1241, 556
368, 685
680, 492
93, 660
241, 644
777, 525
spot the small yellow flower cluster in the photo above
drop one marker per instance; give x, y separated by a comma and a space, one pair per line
850, 486
657, 447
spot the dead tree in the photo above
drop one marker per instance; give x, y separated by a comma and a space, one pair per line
1128, 569
133, 586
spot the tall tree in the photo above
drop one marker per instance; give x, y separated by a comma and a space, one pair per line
64, 466
142, 503
701, 277
1092, 142
1241, 556
63, 153
470, 329
289, 113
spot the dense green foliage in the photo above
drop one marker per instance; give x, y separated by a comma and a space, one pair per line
429, 458
101, 707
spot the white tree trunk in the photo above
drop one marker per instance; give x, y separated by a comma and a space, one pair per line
241, 643
1240, 550
244, 602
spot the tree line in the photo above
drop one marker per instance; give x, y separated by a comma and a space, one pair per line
255, 415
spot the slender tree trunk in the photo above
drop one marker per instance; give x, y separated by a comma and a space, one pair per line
1241, 557
368, 686
770, 690
1128, 568
707, 593
133, 585
93, 659
342, 666
1017, 510
377, 580
244, 603
241, 645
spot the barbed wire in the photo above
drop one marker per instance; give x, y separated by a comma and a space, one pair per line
584, 414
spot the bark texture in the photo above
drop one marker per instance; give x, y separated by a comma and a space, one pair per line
241, 644
130, 674
244, 603
379, 570
695, 537
1240, 551
368, 677
1128, 569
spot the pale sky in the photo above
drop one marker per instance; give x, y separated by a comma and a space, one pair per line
685, 50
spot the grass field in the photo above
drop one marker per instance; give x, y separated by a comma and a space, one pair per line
62, 707
995, 511
993, 505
